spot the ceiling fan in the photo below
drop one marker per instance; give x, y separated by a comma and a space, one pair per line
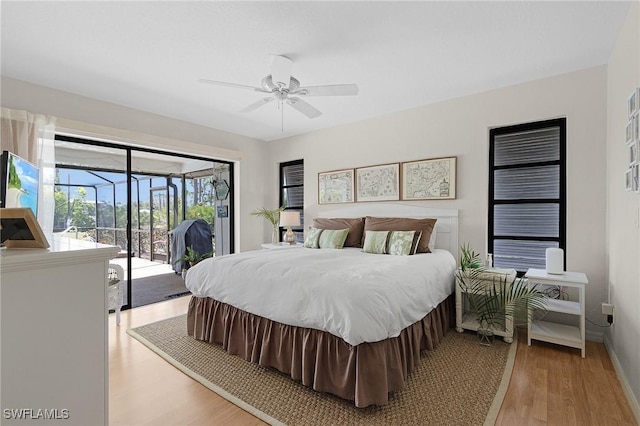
283, 87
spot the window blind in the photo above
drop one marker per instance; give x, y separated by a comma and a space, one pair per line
292, 192
527, 201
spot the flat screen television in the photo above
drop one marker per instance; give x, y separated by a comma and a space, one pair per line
19, 184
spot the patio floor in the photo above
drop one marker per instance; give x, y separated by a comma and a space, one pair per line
151, 281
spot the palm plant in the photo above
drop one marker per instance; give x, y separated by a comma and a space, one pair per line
492, 297
273, 217
469, 258
192, 256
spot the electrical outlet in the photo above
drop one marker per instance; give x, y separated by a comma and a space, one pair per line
607, 309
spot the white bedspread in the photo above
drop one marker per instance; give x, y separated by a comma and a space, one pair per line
357, 296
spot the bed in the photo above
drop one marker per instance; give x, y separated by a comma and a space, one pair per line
341, 321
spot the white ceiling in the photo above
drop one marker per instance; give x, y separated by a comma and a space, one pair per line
150, 55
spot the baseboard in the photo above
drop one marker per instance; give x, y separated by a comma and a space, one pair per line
594, 336
631, 398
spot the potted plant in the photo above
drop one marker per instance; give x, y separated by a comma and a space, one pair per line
192, 257
273, 217
493, 296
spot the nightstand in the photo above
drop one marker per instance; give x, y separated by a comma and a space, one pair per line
552, 332
271, 246
466, 320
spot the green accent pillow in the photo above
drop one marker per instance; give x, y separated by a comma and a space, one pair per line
313, 238
333, 239
401, 242
375, 242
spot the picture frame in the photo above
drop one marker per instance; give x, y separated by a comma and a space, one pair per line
222, 211
635, 177
378, 183
629, 131
634, 155
429, 179
20, 229
336, 186
628, 179
632, 102
635, 127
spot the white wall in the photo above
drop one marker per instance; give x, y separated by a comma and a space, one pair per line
623, 212
86, 116
460, 127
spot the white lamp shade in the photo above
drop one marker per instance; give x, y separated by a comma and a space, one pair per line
289, 218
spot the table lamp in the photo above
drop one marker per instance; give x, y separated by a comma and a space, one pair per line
289, 219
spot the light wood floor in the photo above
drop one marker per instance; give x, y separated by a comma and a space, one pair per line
550, 385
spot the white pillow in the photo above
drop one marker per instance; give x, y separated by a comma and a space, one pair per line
432, 239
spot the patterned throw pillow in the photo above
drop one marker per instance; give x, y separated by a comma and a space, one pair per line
355, 226
333, 239
403, 224
401, 242
313, 238
376, 242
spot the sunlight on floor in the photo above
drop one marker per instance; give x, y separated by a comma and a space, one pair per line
143, 268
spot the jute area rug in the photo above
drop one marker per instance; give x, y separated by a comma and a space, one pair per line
459, 383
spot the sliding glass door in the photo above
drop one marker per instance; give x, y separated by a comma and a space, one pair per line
135, 198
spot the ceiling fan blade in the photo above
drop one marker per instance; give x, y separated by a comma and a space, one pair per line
281, 70
237, 86
257, 104
304, 107
328, 90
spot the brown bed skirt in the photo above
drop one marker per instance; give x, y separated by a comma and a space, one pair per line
365, 373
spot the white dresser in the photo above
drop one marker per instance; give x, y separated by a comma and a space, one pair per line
53, 319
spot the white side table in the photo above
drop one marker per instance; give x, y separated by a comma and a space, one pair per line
468, 320
560, 334
271, 246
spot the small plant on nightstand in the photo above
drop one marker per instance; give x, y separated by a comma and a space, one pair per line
469, 259
492, 297
273, 217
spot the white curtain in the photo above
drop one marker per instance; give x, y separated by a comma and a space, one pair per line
31, 136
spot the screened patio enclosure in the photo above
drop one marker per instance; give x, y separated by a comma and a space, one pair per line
134, 199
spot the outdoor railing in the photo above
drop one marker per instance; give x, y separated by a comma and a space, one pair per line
141, 240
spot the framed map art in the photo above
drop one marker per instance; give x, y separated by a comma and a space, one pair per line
335, 186
378, 183
430, 179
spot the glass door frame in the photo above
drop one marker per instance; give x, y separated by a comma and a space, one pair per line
171, 212
129, 149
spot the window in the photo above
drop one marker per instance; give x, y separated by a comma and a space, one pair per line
292, 193
527, 193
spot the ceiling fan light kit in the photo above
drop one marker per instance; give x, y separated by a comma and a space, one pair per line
283, 87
